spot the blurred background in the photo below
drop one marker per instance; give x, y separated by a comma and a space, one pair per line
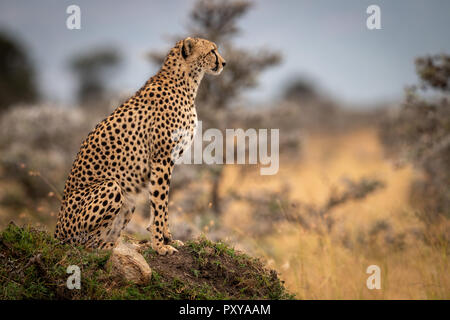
364, 121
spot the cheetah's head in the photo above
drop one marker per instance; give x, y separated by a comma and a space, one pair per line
202, 55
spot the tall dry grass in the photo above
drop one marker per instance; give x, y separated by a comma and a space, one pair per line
380, 229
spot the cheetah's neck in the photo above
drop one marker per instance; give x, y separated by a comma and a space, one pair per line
178, 74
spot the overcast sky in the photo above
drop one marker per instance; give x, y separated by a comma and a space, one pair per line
325, 41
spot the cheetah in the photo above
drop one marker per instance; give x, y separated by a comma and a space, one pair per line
134, 150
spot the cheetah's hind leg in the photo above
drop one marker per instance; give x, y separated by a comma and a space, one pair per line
96, 209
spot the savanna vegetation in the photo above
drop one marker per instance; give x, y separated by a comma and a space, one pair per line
356, 187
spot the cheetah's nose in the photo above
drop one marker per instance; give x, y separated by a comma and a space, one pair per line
224, 64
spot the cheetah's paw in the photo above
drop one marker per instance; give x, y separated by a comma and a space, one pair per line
165, 250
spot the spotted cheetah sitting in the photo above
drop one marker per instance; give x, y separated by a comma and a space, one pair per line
135, 149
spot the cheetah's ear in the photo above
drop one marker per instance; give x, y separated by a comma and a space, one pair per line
188, 45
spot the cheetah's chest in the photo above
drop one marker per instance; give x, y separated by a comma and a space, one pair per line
183, 137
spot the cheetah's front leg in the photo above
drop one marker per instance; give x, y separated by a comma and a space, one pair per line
159, 198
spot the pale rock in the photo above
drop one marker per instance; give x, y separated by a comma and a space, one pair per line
128, 264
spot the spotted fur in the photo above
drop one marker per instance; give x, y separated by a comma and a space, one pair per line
133, 150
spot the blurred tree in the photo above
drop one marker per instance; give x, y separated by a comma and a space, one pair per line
16, 74
92, 70
316, 110
422, 130
299, 89
216, 20
434, 71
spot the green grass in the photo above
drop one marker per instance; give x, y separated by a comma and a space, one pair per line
33, 266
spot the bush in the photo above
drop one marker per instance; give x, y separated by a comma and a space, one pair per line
420, 133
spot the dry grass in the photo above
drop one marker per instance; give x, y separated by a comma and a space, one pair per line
380, 229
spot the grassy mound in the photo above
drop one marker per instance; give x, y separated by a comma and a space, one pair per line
33, 266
